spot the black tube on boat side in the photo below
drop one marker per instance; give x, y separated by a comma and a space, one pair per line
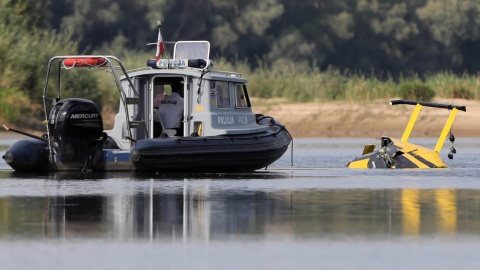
428, 104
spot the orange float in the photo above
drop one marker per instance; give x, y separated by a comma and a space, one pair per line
84, 62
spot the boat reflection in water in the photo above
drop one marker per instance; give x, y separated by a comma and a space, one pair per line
197, 210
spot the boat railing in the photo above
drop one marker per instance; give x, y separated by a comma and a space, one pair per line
139, 69
91, 61
227, 73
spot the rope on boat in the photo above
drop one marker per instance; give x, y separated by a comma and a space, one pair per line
291, 149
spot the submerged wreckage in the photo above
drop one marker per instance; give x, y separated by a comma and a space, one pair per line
394, 153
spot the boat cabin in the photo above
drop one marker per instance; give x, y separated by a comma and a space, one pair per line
214, 102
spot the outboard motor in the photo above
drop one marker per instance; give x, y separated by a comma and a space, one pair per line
76, 131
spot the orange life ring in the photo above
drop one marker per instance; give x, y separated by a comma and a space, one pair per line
84, 62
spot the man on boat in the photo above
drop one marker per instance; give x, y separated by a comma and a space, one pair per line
158, 95
171, 109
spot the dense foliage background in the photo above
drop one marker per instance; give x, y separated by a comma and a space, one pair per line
381, 36
302, 50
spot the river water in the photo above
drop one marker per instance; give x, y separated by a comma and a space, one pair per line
314, 214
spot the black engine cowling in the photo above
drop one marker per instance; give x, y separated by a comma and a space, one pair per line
76, 118
76, 130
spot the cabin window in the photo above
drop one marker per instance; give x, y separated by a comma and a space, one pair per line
223, 95
241, 96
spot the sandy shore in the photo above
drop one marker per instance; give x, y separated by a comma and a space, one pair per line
369, 120
374, 119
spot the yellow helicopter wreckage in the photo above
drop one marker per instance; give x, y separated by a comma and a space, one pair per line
399, 154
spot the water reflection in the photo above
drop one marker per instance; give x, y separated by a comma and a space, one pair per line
444, 217
194, 210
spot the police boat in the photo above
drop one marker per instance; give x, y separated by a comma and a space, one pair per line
218, 131
399, 153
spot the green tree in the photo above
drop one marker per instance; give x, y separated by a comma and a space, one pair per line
25, 48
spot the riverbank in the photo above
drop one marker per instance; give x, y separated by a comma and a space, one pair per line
372, 119
360, 120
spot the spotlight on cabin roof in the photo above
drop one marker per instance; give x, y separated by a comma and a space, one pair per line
179, 63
